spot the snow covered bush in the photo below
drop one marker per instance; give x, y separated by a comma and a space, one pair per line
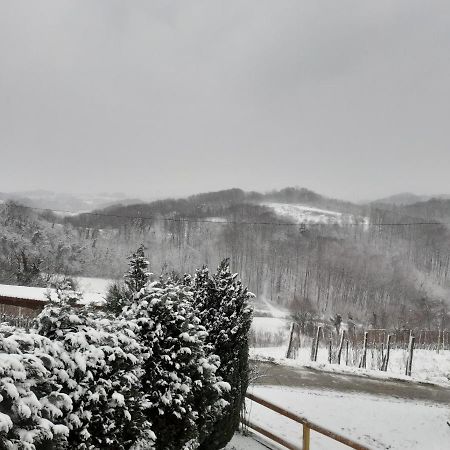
117, 296
183, 394
146, 377
31, 405
101, 375
222, 304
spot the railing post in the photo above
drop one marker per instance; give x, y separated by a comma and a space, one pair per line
306, 432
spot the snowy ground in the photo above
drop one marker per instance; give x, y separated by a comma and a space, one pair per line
375, 421
428, 365
240, 442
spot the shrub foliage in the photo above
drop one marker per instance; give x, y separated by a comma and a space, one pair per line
164, 367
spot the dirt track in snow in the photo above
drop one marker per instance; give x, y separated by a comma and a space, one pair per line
275, 374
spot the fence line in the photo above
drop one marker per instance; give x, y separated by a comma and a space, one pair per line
378, 341
376, 336
17, 321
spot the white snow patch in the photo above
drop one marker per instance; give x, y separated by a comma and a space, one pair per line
241, 442
311, 215
27, 293
94, 285
269, 324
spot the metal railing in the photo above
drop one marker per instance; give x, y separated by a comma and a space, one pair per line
307, 426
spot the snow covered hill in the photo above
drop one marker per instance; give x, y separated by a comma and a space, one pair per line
311, 215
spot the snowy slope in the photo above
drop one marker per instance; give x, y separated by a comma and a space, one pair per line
310, 215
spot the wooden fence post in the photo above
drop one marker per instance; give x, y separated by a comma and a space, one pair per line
410, 355
329, 351
364, 356
313, 348
289, 350
384, 366
306, 437
341, 344
316, 344
439, 340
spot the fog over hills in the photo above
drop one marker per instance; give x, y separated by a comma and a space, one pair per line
407, 198
74, 203
333, 257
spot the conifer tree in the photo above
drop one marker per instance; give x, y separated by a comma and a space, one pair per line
138, 275
183, 394
120, 293
223, 306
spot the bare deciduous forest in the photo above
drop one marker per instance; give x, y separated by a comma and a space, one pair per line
390, 271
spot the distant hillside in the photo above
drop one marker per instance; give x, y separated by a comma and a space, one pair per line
433, 209
407, 198
65, 202
347, 259
226, 204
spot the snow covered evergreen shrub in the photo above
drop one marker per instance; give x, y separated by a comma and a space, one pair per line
222, 304
101, 375
117, 297
148, 377
183, 394
31, 404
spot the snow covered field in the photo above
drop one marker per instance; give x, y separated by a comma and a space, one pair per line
270, 325
375, 421
310, 215
97, 285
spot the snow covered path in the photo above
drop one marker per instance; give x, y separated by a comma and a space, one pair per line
276, 374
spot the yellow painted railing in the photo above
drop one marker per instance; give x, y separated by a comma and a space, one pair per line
307, 426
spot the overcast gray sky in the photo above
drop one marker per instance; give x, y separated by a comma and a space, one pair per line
156, 98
